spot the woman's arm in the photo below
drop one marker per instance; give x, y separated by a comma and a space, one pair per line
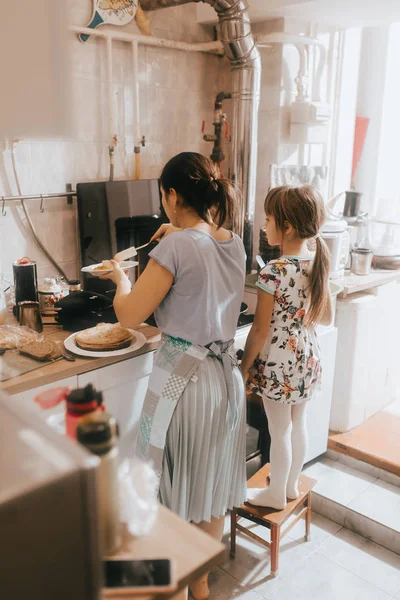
259, 330
134, 306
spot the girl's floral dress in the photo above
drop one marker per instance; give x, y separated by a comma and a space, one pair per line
288, 369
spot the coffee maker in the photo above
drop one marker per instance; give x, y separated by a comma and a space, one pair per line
25, 282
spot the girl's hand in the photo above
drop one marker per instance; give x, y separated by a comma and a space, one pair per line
116, 275
163, 231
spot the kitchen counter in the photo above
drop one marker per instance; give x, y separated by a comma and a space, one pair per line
358, 283
50, 373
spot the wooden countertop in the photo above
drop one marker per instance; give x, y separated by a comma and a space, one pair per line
192, 551
359, 283
50, 373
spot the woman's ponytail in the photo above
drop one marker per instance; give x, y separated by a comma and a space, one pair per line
197, 180
222, 199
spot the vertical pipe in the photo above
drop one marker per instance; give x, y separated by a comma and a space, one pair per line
136, 114
111, 131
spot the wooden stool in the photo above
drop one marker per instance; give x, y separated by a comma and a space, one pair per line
271, 518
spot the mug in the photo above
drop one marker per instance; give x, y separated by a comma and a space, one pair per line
29, 315
361, 260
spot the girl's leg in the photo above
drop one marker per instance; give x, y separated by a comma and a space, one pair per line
279, 425
199, 589
299, 448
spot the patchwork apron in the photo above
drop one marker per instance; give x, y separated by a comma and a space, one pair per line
175, 364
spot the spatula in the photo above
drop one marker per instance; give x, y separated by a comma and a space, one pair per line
128, 253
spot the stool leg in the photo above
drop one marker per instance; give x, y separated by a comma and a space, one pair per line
275, 541
308, 518
233, 532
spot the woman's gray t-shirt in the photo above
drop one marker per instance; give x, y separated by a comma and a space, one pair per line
203, 303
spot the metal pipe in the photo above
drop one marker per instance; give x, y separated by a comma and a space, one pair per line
240, 48
111, 131
148, 40
38, 197
136, 115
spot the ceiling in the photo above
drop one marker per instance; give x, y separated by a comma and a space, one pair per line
332, 13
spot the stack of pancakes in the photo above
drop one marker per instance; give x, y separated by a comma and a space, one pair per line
104, 337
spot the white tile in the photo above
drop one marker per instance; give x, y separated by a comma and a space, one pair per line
359, 465
389, 477
380, 502
378, 533
162, 67
338, 482
331, 454
322, 530
365, 559
252, 564
225, 587
328, 508
321, 579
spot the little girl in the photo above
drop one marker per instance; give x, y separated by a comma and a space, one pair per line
281, 359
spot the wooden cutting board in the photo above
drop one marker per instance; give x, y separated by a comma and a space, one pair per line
13, 364
111, 12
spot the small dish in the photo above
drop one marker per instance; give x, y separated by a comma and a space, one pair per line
96, 272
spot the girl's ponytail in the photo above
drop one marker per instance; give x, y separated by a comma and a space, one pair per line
318, 282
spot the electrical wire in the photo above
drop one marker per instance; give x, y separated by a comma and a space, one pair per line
28, 218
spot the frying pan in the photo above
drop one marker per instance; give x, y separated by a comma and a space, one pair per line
111, 12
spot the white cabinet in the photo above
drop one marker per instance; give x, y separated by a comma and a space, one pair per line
318, 409
53, 416
366, 373
124, 386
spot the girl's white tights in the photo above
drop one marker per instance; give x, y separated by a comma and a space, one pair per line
287, 428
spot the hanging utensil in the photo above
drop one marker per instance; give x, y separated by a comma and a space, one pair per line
111, 12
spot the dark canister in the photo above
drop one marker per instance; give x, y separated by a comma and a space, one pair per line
25, 282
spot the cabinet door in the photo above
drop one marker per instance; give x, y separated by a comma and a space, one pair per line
319, 408
124, 387
54, 416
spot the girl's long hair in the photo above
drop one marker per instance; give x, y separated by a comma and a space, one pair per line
304, 209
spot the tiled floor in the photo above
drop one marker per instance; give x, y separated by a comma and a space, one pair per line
362, 501
336, 564
377, 441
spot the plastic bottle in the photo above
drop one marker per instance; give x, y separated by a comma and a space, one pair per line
97, 437
81, 404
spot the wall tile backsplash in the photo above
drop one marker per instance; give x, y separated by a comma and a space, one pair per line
177, 91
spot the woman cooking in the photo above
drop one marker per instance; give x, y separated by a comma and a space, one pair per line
193, 420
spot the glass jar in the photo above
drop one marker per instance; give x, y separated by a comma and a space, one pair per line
49, 293
74, 286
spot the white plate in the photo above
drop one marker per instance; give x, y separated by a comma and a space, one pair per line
125, 264
71, 345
